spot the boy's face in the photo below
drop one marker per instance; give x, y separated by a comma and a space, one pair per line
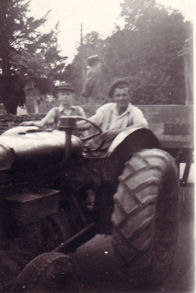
65, 97
121, 98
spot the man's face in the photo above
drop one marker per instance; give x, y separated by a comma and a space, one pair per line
65, 97
121, 98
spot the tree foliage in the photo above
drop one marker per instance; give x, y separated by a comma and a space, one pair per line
146, 51
159, 36
25, 53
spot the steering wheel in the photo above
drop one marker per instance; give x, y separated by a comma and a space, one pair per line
88, 149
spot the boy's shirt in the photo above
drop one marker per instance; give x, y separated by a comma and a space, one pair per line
52, 117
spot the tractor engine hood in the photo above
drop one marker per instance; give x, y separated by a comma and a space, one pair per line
26, 145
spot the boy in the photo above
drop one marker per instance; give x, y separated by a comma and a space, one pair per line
65, 96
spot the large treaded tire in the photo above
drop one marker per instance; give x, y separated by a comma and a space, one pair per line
145, 216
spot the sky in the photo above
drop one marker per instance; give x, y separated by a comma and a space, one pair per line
95, 15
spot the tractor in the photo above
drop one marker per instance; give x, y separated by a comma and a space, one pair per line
57, 193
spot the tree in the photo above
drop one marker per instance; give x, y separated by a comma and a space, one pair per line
155, 36
25, 53
146, 51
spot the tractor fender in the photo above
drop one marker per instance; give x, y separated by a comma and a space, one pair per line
133, 132
129, 142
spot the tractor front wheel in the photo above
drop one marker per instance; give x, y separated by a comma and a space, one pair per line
48, 272
145, 216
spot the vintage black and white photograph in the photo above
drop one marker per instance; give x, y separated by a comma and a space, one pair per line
96, 146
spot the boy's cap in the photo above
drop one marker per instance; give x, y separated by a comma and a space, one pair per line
64, 86
115, 85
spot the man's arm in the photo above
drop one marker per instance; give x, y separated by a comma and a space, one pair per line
96, 119
137, 119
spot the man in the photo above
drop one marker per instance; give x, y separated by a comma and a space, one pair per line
118, 115
65, 96
113, 118
94, 86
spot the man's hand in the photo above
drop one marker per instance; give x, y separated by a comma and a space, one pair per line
82, 125
109, 135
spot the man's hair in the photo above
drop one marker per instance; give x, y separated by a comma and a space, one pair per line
120, 84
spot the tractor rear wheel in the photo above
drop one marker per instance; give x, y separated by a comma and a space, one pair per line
145, 216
